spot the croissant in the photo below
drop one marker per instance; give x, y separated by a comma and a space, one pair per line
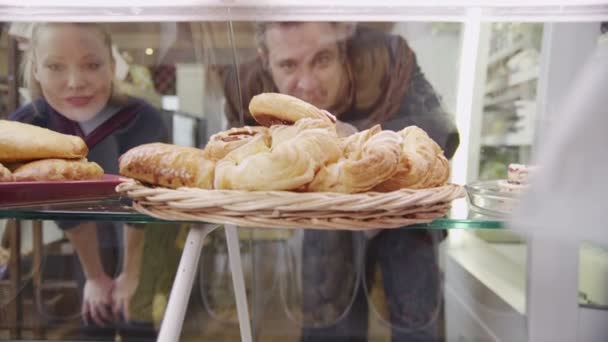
266, 163
422, 163
280, 109
168, 165
370, 157
54, 169
220, 144
24, 142
5, 174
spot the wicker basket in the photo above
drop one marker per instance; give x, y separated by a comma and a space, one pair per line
286, 209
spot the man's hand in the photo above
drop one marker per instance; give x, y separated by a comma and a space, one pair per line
124, 289
97, 300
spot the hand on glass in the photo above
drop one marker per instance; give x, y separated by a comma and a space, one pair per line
123, 290
97, 300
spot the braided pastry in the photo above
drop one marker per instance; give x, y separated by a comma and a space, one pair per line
278, 162
279, 109
422, 163
369, 158
222, 143
168, 165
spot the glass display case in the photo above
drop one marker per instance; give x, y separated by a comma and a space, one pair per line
497, 73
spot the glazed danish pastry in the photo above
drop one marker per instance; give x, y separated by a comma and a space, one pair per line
58, 170
422, 163
369, 158
24, 142
168, 165
266, 163
5, 174
280, 109
222, 143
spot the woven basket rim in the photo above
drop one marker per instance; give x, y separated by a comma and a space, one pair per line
289, 209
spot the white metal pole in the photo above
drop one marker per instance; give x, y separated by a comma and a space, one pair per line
238, 281
464, 101
171, 327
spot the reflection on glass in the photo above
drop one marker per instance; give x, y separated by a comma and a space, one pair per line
509, 98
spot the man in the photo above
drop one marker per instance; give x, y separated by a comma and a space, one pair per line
364, 77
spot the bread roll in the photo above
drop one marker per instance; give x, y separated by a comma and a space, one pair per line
54, 169
24, 142
279, 109
369, 158
5, 174
222, 143
168, 165
266, 163
422, 163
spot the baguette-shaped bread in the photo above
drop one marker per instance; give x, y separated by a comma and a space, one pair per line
58, 170
24, 142
280, 109
369, 158
422, 163
168, 165
5, 174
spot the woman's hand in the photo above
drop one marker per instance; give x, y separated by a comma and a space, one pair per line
124, 289
97, 300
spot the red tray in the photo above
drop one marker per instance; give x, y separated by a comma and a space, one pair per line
20, 193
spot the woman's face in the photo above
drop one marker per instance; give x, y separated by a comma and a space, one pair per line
305, 62
74, 69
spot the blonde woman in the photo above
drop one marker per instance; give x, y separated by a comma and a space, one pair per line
69, 71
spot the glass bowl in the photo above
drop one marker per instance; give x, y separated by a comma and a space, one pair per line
487, 198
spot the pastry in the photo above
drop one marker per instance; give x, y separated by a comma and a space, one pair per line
369, 158
421, 164
280, 109
222, 143
54, 169
5, 174
519, 173
168, 165
266, 163
517, 178
24, 142
281, 133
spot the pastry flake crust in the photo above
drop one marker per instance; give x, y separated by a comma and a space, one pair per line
168, 165
369, 158
54, 169
24, 142
222, 143
278, 164
422, 163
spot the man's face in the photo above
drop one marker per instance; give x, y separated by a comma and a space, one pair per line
305, 62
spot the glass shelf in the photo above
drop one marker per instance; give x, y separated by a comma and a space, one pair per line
117, 209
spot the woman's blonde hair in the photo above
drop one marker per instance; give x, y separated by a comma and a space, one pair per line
27, 66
